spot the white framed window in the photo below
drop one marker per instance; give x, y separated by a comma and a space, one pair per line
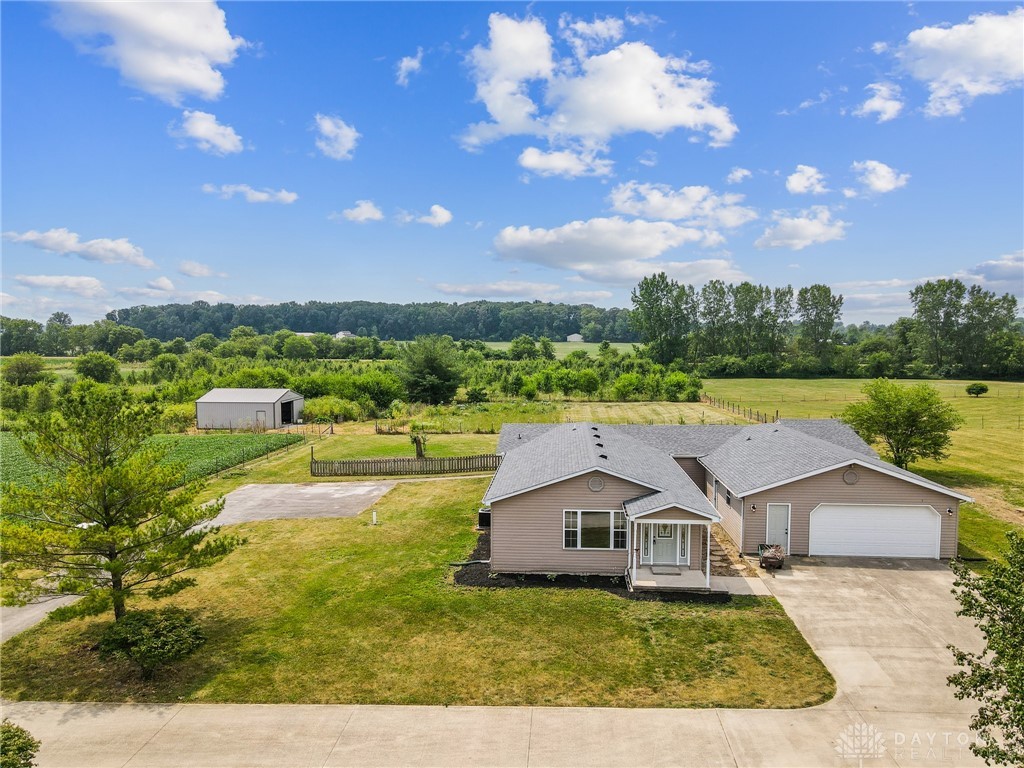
593, 529
728, 497
570, 529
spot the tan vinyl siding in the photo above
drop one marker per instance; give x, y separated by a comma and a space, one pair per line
828, 488
693, 469
526, 530
732, 514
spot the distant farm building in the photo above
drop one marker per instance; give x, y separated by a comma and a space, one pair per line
230, 408
574, 337
344, 335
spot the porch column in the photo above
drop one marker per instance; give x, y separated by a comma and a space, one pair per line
707, 572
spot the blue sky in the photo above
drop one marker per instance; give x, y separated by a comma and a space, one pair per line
258, 152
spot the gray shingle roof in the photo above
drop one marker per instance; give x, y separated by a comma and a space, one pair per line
565, 450
744, 458
832, 430
772, 454
682, 439
243, 395
514, 435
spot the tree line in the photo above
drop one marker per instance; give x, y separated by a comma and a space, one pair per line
756, 330
485, 320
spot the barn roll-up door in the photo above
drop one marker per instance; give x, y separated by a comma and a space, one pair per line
874, 530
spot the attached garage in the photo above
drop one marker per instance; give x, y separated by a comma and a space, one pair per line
875, 530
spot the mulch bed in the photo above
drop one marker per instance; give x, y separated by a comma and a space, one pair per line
479, 575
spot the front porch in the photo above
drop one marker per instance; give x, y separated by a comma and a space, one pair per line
669, 579
669, 555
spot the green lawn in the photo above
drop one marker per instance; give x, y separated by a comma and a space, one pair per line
340, 611
986, 455
202, 455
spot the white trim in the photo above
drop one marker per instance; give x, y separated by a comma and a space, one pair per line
569, 477
579, 530
938, 530
789, 520
673, 522
914, 480
670, 505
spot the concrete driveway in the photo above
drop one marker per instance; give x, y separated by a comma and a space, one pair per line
274, 501
250, 503
880, 627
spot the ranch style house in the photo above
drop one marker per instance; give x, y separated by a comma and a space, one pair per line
640, 501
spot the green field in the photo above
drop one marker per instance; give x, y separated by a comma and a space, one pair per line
202, 455
986, 457
341, 611
563, 348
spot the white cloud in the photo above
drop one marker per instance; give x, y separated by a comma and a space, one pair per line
640, 19
879, 47
564, 163
806, 180
161, 284
821, 98
519, 51
648, 158
696, 206
737, 175
87, 287
587, 36
521, 288
337, 139
878, 177
408, 66
64, 242
438, 216
497, 288
1007, 270
810, 227
209, 135
652, 93
167, 49
251, 195
982, 56
886, 101
362, 211
612, 250
195, 269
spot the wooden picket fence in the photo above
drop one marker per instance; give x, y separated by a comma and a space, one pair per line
443, 465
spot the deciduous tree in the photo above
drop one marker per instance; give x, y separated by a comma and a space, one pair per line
995, 676
912, 422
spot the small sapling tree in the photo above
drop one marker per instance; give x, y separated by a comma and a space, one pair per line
977, 389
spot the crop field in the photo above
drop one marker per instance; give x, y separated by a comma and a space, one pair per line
202, 455
564, 348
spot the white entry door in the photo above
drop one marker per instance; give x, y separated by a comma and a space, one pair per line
777, 526
665, 543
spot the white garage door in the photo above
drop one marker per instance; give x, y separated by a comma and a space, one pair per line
874, 531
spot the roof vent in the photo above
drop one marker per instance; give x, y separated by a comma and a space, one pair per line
748, 437
594, 428
602, 455
520, 437
597, 437
599, 445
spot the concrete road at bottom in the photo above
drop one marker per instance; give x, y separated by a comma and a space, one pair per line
880, 626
